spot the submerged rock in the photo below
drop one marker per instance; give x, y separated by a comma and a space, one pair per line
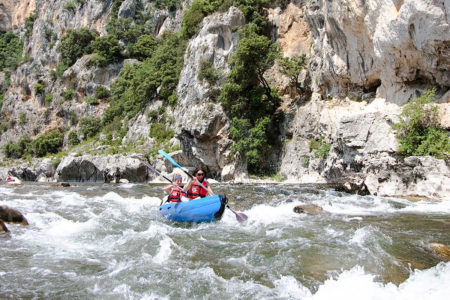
308, 209
441, 250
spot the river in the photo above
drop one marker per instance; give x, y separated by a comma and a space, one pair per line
95, 240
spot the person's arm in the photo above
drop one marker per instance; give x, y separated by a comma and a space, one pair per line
167, 188
209, 188
187, 187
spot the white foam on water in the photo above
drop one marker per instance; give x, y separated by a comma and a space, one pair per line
355, 205
265, 214
164, 251
356, 284
288, 287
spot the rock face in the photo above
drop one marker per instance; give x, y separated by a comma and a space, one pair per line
109, 168
201, 124
365, 58
392, 48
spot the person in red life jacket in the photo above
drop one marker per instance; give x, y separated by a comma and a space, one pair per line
175, 190
194, 189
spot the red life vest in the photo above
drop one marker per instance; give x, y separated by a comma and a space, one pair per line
197, 191
176, 194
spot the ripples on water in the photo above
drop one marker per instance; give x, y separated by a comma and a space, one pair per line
101, 241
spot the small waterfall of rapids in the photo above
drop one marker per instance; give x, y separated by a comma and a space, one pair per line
94, 240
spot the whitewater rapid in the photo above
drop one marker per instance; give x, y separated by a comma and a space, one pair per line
99, 240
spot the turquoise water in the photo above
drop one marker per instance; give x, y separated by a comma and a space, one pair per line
104, 240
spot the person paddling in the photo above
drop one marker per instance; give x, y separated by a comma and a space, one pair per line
175, 190
193, 188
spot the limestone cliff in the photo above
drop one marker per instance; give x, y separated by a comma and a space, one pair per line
365, 59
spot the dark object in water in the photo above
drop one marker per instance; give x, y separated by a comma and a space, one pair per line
10, 215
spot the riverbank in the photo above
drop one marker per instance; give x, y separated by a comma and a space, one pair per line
414, 177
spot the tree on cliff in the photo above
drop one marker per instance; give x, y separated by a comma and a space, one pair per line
248, 97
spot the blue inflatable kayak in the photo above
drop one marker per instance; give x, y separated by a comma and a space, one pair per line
208, 209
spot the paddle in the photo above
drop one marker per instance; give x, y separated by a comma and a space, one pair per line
156, 172
241, 217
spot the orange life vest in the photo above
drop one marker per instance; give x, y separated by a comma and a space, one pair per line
176, 194
197, 191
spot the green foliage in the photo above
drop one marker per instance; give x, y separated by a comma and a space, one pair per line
208, 72
248, 97
91, 100
10, 50
73, 118
102, 93
107, 49
74, 44
22, 118
29, 24
171, 5
39, 88
48, 98
68, 94
292, 67
314, 144
323, 151
144, 47
69, 6
19, 149
418, 131
304, 161
195, 14
137, 84
72, 138
160, 133
50, 142
89, 127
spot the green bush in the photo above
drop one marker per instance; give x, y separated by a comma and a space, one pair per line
91, 100
19, 149
68, 94
102, 93
138, 84
74, 44
144, 47
10, 50
108, 48
418, 131
48, 98
39, 88
160, 133
323, 151
73, 118
22, 118
69, 6
292, 67
208, 72
72, 138
249, 99
29, 24
50, 142
89, 127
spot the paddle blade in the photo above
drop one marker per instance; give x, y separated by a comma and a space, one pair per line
241, 217
169, 158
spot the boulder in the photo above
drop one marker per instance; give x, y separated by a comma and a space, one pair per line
441, 250
312, 209
351, 183
11, 215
